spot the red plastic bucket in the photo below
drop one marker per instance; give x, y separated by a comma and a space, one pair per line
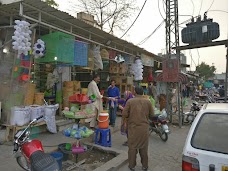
103, 120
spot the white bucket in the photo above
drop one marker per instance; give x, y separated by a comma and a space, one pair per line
37, 111
20, 115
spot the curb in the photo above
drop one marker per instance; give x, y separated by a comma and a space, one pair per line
116, 163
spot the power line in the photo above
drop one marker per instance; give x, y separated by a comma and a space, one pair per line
198, 55
218, 11
160, 10
134, 20
164, 4
190, 53
145, 39
200, 7
188, 20
193, 7
211, 5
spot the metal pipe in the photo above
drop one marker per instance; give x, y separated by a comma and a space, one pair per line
178, 93
91, 33
67, 32
60, 19
226, 72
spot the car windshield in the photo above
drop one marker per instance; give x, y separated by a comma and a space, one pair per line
211, 133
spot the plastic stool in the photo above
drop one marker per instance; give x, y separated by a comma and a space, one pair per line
103, 137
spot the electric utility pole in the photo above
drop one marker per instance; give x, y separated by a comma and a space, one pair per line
172, 40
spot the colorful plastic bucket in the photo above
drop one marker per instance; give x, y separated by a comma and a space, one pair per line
103, 120
58, 157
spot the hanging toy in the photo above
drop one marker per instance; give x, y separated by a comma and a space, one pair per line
22, 37
137, 70
119, 59
39, 49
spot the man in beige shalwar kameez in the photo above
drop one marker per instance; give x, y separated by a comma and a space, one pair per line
96, 106
137, 111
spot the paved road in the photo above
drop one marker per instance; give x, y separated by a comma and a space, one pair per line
163, 156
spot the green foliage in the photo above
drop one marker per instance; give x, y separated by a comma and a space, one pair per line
205, 71
51, 3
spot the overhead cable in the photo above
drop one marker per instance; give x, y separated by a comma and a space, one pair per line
198, 55
190, 53
218, 11
211, 5
145, 39
193, 8
160, 11
134, 20
200, 7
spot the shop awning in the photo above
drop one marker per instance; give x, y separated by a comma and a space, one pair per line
37, 11
182, 77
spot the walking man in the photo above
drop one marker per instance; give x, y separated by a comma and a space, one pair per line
113, 94
137, 111
96, 106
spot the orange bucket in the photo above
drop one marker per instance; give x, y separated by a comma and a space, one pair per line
103, 120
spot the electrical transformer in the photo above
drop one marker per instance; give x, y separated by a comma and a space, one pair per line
200, 32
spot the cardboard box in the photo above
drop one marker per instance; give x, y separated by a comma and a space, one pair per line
118, 80
77, 85
129, 80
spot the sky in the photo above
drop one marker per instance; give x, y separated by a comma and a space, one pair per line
150, 18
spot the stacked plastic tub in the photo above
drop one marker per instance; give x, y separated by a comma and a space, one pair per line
23, 115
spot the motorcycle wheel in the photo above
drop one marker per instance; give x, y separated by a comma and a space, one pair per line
164, 136
190, 119
22, 162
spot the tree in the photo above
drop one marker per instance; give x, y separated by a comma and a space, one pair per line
110, 14
205, 71
51, 3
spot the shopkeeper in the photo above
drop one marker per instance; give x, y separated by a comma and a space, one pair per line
113, 94
97, 105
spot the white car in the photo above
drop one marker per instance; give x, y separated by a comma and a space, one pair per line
206, 146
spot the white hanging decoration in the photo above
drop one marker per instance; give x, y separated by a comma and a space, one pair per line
137, 70
22, 37
119, 59
39, 49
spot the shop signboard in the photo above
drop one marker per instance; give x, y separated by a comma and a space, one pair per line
170, 68
147, 60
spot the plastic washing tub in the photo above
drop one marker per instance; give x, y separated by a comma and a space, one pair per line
62, 148
58, 157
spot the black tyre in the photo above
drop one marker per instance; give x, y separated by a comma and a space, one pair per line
22, 162
164, 136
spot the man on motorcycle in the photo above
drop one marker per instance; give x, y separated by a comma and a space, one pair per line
222, 92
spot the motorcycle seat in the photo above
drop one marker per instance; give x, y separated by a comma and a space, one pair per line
41, 161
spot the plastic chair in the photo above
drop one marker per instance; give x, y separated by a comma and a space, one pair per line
103, 137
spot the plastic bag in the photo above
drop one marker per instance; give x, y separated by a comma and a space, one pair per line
49, 112
185, 102
152, 101
98, 64
163, 113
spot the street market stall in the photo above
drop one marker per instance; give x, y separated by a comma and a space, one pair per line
43, 63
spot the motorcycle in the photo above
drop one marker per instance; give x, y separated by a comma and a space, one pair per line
29, 154
159, 125
189, 117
